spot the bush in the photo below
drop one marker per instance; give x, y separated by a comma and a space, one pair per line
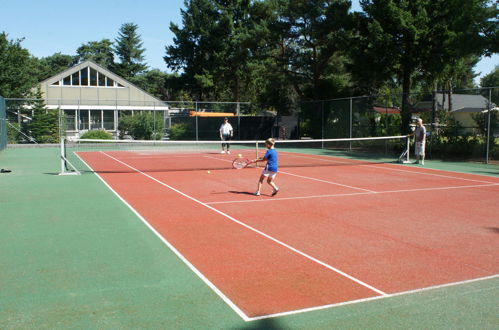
97, 134
179, 132
141, 126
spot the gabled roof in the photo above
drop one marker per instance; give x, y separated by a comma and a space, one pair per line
102, 71
460, 103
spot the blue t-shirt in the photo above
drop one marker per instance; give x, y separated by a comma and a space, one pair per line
271, 157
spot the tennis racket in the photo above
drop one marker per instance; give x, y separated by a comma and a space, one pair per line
240, 163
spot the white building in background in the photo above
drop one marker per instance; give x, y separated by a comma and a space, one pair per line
93, 97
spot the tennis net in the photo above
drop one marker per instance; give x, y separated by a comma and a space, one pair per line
85, 155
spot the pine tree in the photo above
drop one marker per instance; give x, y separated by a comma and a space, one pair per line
44, 125
128, 48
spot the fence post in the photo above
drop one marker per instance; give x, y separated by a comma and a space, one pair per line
350, 123
196, 117
488, 126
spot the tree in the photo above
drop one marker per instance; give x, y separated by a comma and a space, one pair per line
54, 64
100, 52
411, 40
16, 69
44, 125
155, 83
216, 48
142, 126
311, 39
491, 80
128, 48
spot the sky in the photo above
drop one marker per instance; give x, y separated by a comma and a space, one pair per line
53, 26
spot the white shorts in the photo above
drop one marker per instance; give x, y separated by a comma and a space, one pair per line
267, 173
419, 149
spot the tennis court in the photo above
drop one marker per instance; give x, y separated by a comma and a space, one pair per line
341, 231
350, 231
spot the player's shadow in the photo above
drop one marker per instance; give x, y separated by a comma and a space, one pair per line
242, 192
494, 229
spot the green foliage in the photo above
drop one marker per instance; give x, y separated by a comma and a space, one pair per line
44, 126
100, 52
128, 48
179, 132
13, 133
491, 80
482, 120
97, 134
408, 40
16, 69
157, 83
142, 126
54, 64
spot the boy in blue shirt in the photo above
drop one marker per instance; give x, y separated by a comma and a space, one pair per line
270, 170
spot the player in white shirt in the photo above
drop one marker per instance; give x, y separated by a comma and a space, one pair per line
420, 139
226, 133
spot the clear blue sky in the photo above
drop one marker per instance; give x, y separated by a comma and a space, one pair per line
53, 26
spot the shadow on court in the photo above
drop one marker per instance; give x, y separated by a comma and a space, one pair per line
269, 324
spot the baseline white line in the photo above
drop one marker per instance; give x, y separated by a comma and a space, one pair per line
352, 194
172, 248
307, 256
434, 287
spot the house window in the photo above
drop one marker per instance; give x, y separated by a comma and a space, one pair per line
102, 79
76, 79
83, 119
70, 119
108, 116
84, 77
93, 77
95, 119
88, 77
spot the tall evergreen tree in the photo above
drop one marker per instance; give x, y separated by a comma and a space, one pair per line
100, 52
215, 48
408, 40
44, 124
312, 36
128, 49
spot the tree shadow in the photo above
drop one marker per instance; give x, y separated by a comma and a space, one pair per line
267, 324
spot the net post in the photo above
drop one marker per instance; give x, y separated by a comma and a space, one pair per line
64, 161
408, 145
256, 152
63, 157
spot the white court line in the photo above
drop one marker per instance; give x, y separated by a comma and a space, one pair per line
307, 256
329, 182
434, 287
390, 168
352, 194
172, 248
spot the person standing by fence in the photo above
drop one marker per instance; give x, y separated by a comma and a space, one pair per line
226, 133
420, 139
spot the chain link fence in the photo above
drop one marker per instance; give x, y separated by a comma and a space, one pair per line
3, 124
461, 125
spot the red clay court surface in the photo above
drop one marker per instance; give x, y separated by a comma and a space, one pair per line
332, 235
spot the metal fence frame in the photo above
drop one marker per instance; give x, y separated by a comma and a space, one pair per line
3, 124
